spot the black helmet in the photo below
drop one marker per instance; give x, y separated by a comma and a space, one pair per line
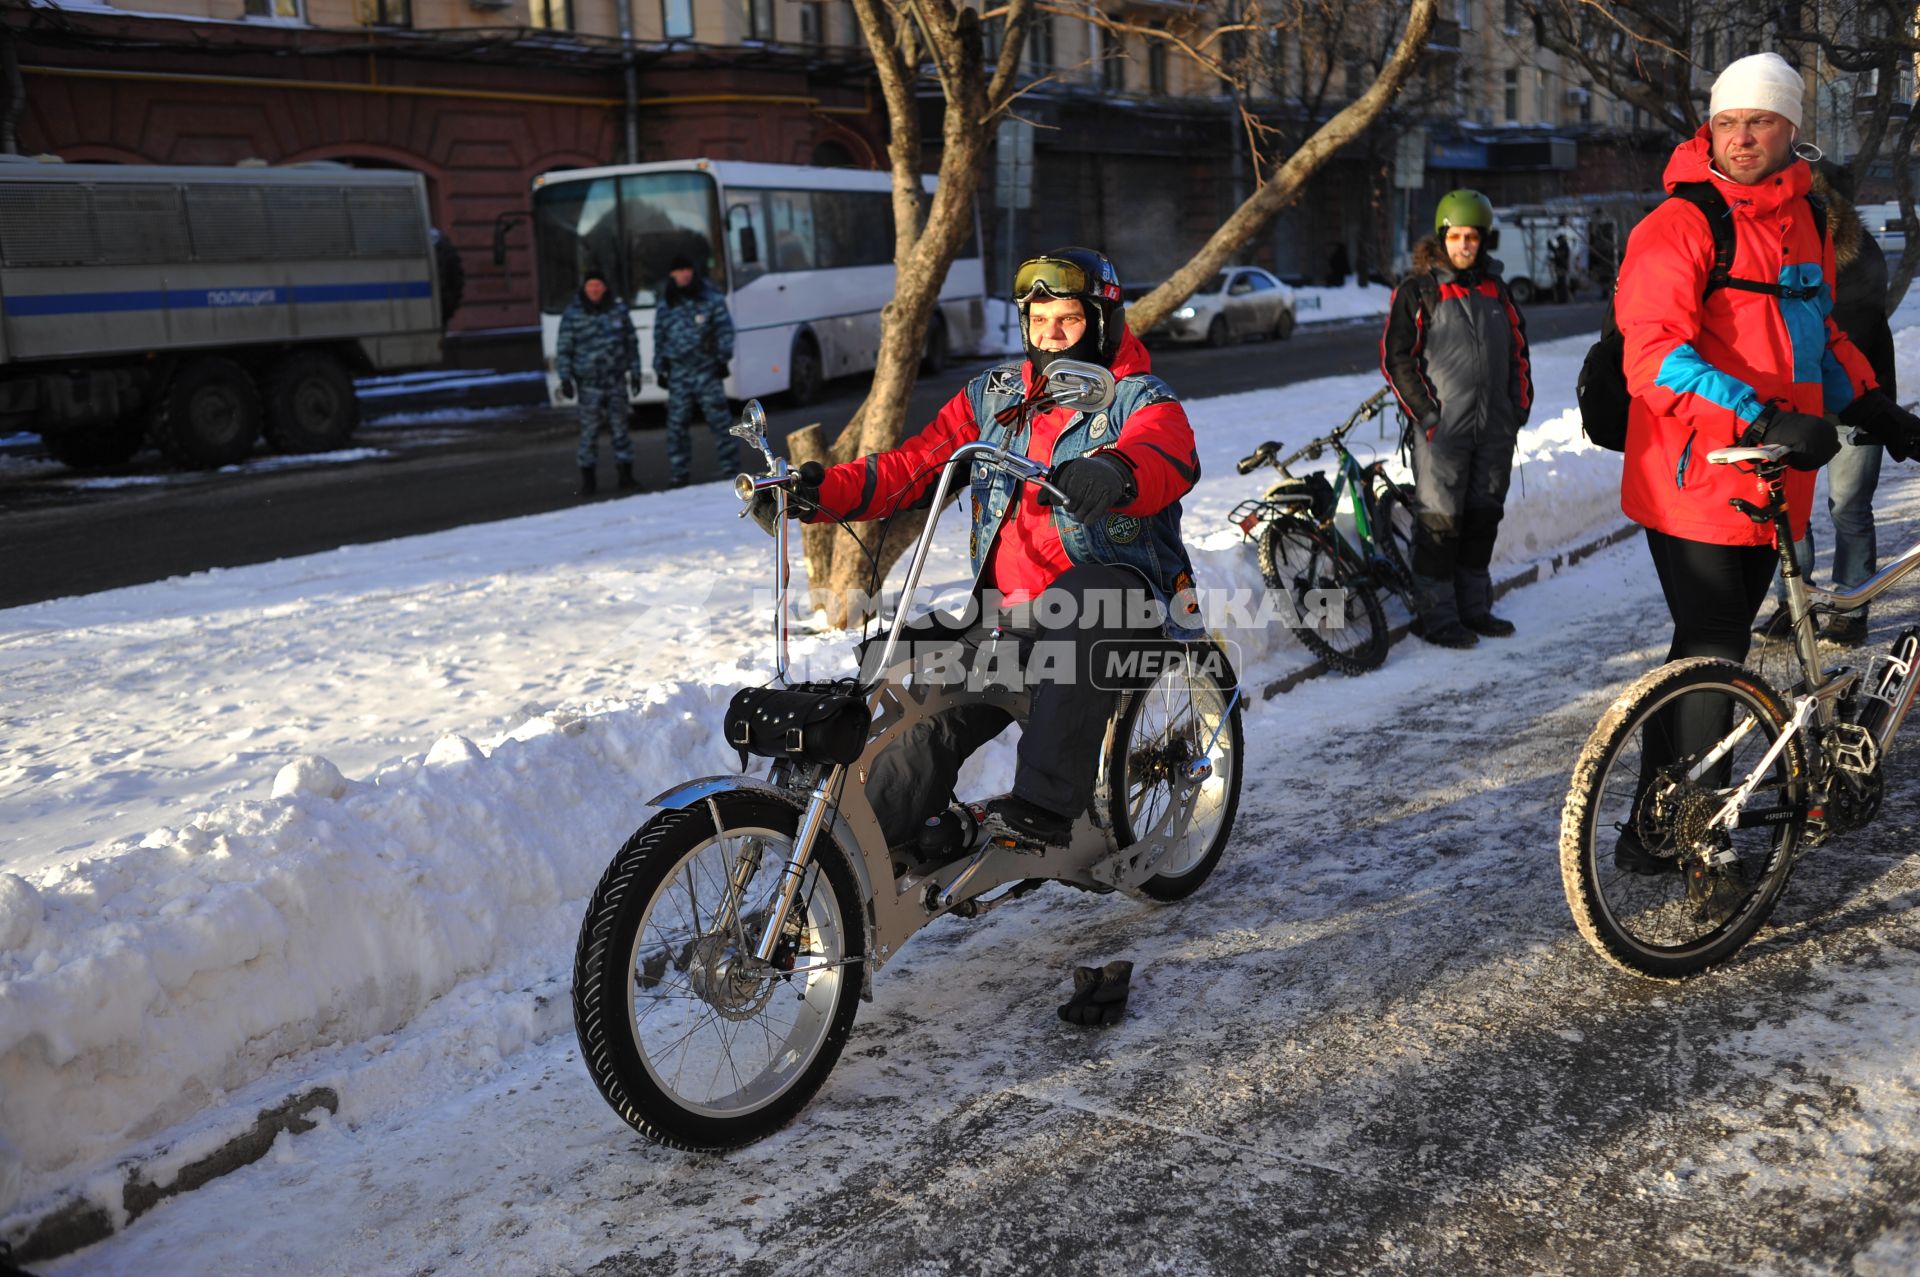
1087, 276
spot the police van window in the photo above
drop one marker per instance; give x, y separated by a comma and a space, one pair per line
790, 219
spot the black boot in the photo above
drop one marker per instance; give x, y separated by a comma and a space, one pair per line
586, 488
1437, 614
625, 482
1489, 625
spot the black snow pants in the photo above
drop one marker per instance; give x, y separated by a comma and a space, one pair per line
1460, 480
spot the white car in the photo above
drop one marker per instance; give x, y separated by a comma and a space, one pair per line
1241, 301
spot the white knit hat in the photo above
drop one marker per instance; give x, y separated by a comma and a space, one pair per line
1761, 82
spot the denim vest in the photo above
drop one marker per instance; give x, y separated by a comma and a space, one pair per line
1151, 546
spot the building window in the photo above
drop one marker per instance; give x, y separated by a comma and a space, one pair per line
1156, 66
1513, 94
383, 13
1356, 74
281, 9
1040, 43
1542, 109
551, 15
812, 22
1706, 51
676, 19
1586, 106
1510, 15
759, 16
993, 34
1463, 14
1113, 63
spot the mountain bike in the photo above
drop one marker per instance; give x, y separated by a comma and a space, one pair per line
1703, 784
1310, 541
730, 939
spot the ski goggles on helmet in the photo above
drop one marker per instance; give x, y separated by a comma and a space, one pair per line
1058, 277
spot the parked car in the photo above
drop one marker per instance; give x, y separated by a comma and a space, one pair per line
1241, 301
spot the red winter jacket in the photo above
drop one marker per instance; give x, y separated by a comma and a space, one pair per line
1028, 554
1701, 369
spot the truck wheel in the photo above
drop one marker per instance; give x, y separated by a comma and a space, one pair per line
934, 361
209, 415
1521, 290
96, 447
805, 376
310, 403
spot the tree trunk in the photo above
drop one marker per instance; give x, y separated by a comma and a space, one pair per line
1283, 187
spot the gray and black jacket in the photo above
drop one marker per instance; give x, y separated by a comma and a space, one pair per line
1455, 348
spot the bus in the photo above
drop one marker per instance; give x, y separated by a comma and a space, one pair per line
803, 255
198, 307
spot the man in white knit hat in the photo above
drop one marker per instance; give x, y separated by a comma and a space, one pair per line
1724, 309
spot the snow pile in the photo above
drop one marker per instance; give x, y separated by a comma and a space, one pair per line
167, 964
1352, 300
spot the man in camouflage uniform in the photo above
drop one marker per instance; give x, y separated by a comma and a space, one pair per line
596, 359
692, 345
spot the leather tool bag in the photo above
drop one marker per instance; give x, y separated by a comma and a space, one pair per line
807, 723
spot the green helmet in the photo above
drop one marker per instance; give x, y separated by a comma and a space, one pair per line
1463, 208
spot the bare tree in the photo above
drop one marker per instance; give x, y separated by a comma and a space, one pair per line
910, 39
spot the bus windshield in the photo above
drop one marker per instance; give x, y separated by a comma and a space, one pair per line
627, 228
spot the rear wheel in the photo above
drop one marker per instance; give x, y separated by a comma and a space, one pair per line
1654, 884
209, 414
1187, 714
695, 1043
934, 361
1522, 291
805, 376
1394, 521
1336, 613
1217, 332
310, 403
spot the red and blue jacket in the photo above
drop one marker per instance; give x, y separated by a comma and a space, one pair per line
1701, 367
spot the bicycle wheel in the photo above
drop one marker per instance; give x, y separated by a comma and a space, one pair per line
694, 1044
1393, 523
1339, 616
1654, 887
1186, 714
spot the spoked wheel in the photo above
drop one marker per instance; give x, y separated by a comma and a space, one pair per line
1187, 714
1339, 616
1655, 885
1394, 521
693, 1042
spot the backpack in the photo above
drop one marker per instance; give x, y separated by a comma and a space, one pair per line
1602, 388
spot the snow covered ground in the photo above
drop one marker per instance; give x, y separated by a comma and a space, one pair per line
324, 828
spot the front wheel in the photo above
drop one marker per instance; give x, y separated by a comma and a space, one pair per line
695, 1043
1187, 714
1393, 524
805, 374
1335, 611
1656, 885
1218, 334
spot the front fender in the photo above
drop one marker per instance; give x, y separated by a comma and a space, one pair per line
692, 793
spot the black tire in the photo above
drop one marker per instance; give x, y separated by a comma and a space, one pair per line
209, 415
1283, 326
99, 446
1522, 291
453, 275
629, 950
310, 403
805, 376
1158, 732
934, 361
1680, 920
1393, 524
1296, 557
1217, 332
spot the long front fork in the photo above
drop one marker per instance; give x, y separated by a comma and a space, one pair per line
819, 804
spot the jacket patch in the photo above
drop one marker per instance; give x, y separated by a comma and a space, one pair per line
1123, 529
1098, 430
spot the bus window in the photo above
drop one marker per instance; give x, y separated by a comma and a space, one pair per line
668, 215
790, 215
746, 235
575, 229
855, 228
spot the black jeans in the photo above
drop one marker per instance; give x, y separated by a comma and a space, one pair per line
1063, 650
1713, 593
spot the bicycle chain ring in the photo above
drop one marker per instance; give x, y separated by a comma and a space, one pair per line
1853, 749
1851, 808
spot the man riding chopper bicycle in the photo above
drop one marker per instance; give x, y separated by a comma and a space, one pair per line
1067, 589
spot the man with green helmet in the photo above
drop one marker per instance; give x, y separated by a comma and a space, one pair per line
1455, 353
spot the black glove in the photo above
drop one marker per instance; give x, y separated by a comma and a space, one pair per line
633, 385
567, 388
803, 500
660, 375
1885, 422
1094, 485
1811, 441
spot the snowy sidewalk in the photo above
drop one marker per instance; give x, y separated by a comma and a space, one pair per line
1372, 1043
